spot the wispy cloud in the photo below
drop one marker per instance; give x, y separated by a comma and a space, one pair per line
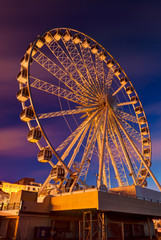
14, 143
156, 149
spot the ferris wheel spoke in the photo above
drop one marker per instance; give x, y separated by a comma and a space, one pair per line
117, 156
91, 71
57, 72
131, 150
57, 91
108, 79
73, 142
132, 132
104, 178
102, 152
87, 149
128, 136
85, 169
140, 155
78, 62
116, 163
118, 90
106, 170
122, 144
76, 150
100, 72
126, 116
65, 113
83, 124
124, 104
106, 173
86, 165
133, 155
119, 149
69, 66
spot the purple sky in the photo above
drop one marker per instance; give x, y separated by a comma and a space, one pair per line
129, 30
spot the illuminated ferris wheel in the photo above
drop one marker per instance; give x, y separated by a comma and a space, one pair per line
83, 113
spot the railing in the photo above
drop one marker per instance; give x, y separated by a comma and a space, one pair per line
134, 196
18, 206
112, 192
10, 206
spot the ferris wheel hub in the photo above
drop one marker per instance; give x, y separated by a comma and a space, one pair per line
109, 101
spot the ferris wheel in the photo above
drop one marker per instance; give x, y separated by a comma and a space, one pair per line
83, 113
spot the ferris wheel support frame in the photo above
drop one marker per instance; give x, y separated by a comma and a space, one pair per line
87, 151
100, 179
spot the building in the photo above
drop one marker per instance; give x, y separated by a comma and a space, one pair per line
27, 184
86, 214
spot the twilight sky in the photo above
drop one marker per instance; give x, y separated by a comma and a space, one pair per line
129, 30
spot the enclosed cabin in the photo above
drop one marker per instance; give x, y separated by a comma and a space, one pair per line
34, 135
129, 90
134, 99
22, 76
45, 155
48, 37
77, 38
57, 173
146, 142
117, 72
142, 182
40, 42
144, 173
138, 110
67, 36
147, 152
25, 60
31, 48
145, 184
142, 120
69, 184
148, 162
94, 49
110, 63
123, 81
27, 114
144, 131
23, 94
102, 55
57, 35
86, 43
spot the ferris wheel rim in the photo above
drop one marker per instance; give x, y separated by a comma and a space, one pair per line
31, 98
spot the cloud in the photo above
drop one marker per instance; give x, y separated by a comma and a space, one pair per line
156, 149
41, 174
14, 143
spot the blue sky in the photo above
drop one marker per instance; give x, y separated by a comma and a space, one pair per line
129, 30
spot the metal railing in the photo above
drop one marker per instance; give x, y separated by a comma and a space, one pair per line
10, 206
